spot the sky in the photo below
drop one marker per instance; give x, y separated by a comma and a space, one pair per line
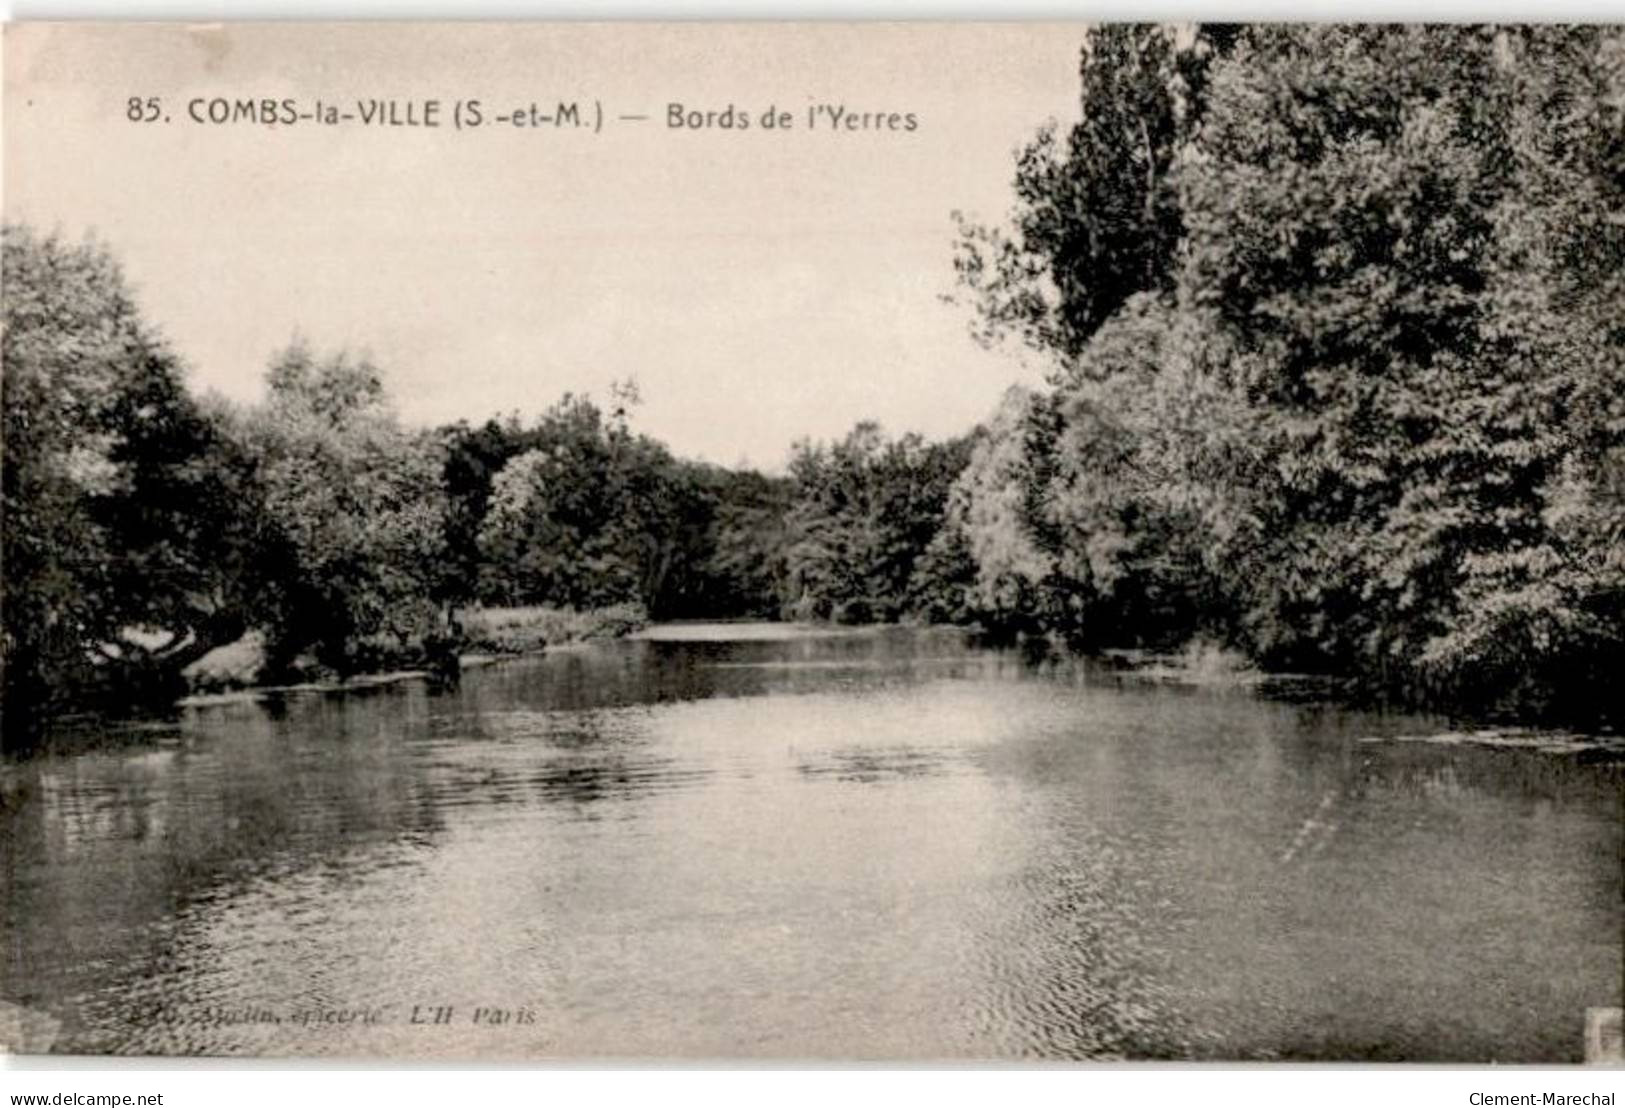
760, 286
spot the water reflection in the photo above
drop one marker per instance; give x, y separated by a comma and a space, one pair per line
882, 844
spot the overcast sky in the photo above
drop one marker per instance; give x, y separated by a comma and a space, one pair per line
759, 286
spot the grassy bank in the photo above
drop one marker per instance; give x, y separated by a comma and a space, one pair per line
482, 631
526, 630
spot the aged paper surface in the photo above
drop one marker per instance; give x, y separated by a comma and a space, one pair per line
432, 142
812, 541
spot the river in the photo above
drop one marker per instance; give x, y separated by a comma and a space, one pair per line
748, 842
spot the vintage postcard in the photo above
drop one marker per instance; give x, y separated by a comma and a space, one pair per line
813, 542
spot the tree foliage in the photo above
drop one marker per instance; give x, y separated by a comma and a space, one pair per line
1367, 417
359, 507
864, 511
1336, 375
121, 500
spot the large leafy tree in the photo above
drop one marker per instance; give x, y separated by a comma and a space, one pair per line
1350, 378
1371, 213
995, 519
1097, 216
474, 458
359, 507
585, 513
863, 512
127, 514
733, 562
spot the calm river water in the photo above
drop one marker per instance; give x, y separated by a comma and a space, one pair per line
757, 842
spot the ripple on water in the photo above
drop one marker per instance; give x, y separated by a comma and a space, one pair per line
1542, 741
850, 845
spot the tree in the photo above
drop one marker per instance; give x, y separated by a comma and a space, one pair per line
123, 506
474, 457
1347, 389
743, 565
1361, 219
360, 505
995, 515
863, 512
584, 514
1097, 216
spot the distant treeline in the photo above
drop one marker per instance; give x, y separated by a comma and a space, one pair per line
1332, 321
145, 526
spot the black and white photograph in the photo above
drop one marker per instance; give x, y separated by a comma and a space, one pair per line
813, 543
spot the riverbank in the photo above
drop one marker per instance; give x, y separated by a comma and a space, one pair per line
525, 630
235, 672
